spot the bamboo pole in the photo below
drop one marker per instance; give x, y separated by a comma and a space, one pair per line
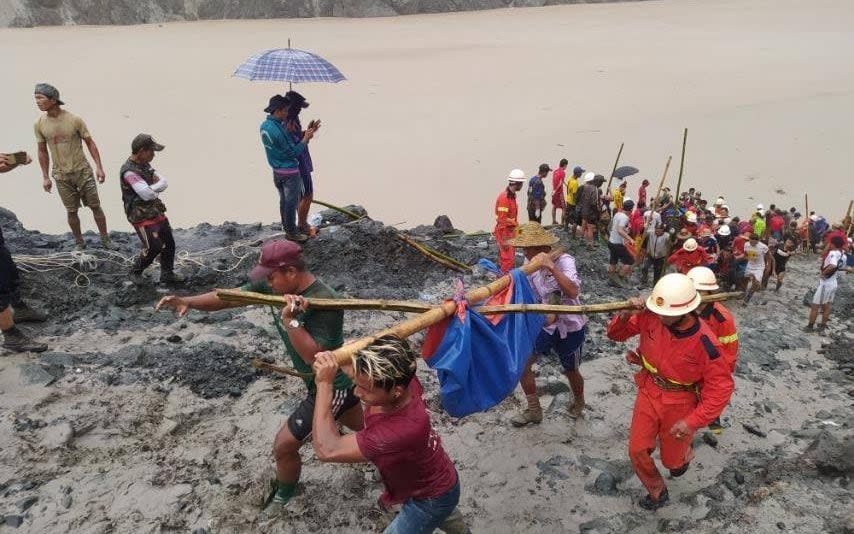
807, 215
660, 185
616, 163
405, 329
848, 218
261, 364
681, 163
337, 208
603, 307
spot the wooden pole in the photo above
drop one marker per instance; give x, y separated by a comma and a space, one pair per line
682, 163
660, 185
616, 163
807, 215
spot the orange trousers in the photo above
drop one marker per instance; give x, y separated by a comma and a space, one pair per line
653, 418
506, 253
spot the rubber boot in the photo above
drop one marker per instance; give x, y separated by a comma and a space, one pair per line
17, 341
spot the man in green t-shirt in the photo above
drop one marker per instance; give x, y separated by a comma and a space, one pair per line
305, 333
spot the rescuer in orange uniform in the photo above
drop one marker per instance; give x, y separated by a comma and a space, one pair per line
719, 319
506, 222
683, 385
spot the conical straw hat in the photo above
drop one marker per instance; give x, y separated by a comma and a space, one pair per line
533, 235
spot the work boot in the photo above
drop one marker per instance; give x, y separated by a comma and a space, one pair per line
576, 409
648, 503
17, 341
715, 426
171, 277
299, 237
532, 414
676, 473
24, 314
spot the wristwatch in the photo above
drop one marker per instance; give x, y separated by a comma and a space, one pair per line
293, 323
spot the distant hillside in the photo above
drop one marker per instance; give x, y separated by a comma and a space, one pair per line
27, 13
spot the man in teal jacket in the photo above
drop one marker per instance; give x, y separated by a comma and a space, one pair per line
282, 152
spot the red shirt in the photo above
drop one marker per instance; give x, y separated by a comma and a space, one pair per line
558, 177
777, 223
642, 194
738, 244
407, 451
684, 261
506, 209
722, 323
689, 357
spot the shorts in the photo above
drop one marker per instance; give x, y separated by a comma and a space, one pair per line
568, 349
300, 420
571, 216
619, 253
307, 184
825, 293
756, 275
9, 280
559, 199
76, 188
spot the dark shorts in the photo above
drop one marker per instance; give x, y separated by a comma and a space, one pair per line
9, 280
307, 184
568, 349
300, 420
619, 253
571, 216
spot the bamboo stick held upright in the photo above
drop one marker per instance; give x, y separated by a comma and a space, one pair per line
616, 164
681, 164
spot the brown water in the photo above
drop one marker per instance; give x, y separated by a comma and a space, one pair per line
439, 108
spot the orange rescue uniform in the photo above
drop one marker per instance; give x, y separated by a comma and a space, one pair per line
722, 323
684, 261
684, 377
506, 212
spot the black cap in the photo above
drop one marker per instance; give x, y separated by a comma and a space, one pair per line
277, 102
144, 141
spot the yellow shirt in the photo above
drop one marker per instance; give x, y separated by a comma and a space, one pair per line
571, 189
617, 199
64, 135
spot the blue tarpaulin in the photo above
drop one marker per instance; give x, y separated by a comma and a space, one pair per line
478, 363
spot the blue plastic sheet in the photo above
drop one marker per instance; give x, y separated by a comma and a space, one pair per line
478, 363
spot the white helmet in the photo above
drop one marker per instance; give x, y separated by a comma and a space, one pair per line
517, 175
691, 216
724, 230
760, 207
589, 176
704, 279
673, 295
690, 244
719, 201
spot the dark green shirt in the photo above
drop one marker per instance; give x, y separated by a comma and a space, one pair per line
325, 326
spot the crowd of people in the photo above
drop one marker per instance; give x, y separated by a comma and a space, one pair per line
687, 348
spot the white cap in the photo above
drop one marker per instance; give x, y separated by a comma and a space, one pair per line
724, 230
589, 176
673, 295
760, 207
517, 175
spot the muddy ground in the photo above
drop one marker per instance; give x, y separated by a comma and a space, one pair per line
136, 421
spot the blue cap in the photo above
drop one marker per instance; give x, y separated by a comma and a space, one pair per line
577, 171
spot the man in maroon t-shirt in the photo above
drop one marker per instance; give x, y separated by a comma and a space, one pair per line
398, 437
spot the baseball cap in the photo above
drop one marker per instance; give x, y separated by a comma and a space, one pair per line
49, 91
578, 171
275, 255
142, 141
277, 102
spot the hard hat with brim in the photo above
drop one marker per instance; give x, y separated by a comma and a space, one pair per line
533, 235
690, 244
724, 230
704, 278
516, 175
673, 295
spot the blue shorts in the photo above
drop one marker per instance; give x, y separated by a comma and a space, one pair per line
307, 184
568, 349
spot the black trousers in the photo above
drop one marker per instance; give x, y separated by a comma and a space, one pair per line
657, 268
10, 281
156, 240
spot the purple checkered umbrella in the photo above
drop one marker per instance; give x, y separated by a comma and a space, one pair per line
288, 65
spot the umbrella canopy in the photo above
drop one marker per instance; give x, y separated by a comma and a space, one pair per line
625, 171
288, 65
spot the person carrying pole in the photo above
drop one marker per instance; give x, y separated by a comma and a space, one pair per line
506, 219
683, 385
305, 332
398, 437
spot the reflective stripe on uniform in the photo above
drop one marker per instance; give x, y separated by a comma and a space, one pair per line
728, 339
649, 367
502, 208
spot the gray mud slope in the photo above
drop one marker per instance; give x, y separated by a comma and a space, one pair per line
136, 421
25, 13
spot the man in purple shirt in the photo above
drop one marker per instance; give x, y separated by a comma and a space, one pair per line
557, 282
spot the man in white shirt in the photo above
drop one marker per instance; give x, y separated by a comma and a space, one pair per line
618, 242
827, 283
757, 254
